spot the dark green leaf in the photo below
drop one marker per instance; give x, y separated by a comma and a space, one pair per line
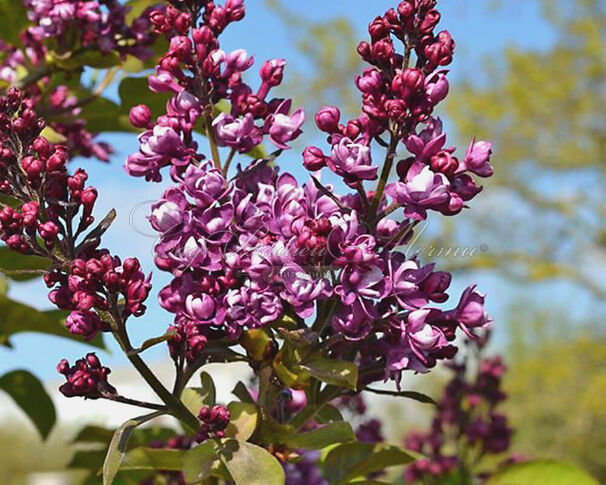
243, 421
134, 90
29, 394
94, 434
10, 201
14, 20
97, 59
199, 461
542, 472
414, 395
88, 460
152, 459
328, 413
334, 372
117, 446
137, 7
19, 267
319, 438
242, 393
349, 461
17, 318
250, 464
207, 385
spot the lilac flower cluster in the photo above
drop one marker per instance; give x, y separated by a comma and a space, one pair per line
87, 378
467, 413
214, 421
51, 221
199, 74
76, 28
248, 251
100, 25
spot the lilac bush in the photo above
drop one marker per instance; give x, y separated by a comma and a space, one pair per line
307, 285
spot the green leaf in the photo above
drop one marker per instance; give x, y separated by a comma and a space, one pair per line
20, 267
199, 461
349, 461
334, 372
97, 59
53, 136
14, 20
9, 200
88, 460
257, 152
94, 434
242, 393
17, 318
134, 90
250, 464
152, 459
150, 342
542, 472
195, 398
208, 388
328, 413
319, 438
243, 421
414, 395
103, 114
137, 7
29, 394
117, 446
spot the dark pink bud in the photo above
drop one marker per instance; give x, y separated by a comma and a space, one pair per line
383, 51
429, 22
41, 146
272, 72
33, 167
364, 50
313, 159
93, 361
181, 47
444, 162
57, 160
48, 231
379, 28
327, 119
140, 116
88, 198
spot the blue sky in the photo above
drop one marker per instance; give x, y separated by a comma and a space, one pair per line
479, 30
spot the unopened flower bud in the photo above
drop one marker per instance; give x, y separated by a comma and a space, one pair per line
327, 119
140, 116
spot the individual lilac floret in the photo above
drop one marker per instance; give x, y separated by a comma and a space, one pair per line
352, 161
422, 190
